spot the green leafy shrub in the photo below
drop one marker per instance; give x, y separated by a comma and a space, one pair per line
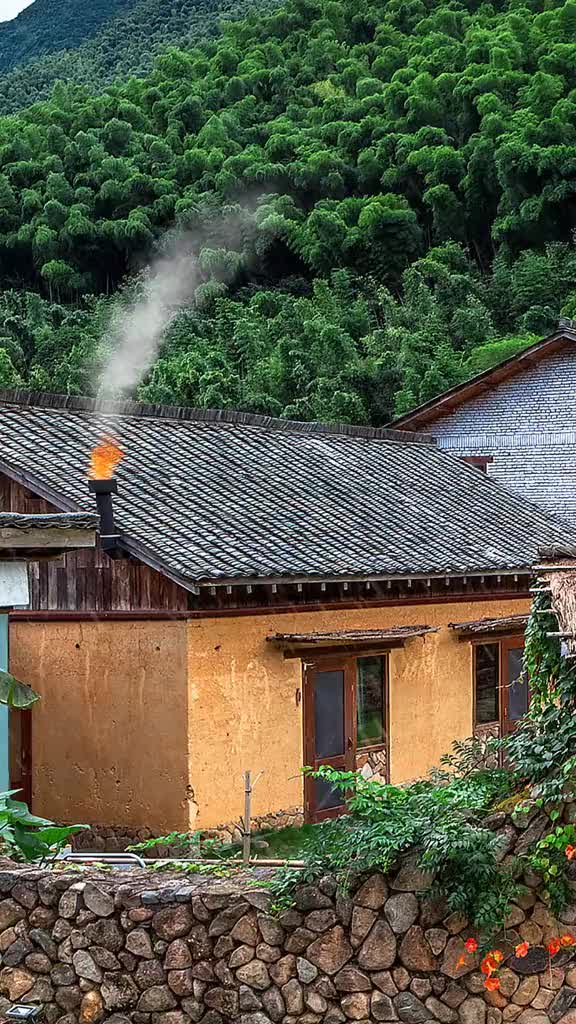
193, 843
440, 818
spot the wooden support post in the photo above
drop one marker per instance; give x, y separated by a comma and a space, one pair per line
246, 838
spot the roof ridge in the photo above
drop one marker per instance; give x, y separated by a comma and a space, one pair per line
128, 407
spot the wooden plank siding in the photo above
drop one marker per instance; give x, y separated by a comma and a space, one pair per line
89, 581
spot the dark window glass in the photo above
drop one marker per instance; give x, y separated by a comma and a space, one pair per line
329, 713
517, 685
370, 702
325, 796
487, 663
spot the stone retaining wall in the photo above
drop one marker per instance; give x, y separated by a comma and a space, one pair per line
112, 839
152, 948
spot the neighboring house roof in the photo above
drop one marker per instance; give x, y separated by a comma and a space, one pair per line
424, 415
210, 497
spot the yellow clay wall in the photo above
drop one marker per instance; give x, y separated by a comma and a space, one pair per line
244, 713
109, 739
152, 723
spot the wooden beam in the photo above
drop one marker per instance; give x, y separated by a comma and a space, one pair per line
35, 539
359, 650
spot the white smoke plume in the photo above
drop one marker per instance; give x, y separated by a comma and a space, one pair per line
137, 330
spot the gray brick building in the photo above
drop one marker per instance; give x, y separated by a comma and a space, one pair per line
517, 421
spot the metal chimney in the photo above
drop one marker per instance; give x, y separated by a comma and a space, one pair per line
109, 536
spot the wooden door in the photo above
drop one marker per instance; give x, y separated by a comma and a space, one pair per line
21, 754
329, 738
514, 687
345, 724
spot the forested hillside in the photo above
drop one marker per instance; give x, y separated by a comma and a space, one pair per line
49, 25
54, 41
382, 197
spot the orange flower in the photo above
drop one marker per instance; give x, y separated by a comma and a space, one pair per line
498, 956
489, 964
554, 946
568, 940
492, 984
471, 945
570, 852
522, 949
461, 962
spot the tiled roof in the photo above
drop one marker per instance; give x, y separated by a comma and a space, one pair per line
424, 416
215, 497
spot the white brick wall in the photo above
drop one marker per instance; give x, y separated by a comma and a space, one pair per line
528, 425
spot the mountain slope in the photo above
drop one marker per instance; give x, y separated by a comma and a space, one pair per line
49, 25
381, 200
119, 38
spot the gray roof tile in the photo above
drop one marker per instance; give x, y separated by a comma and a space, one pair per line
214, 499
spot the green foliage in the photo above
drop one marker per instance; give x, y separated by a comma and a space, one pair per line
439, 817
193, 842
542, 750
381, 207
52, 25
120, 38
15, 694
548, 859
28, 837
221, 870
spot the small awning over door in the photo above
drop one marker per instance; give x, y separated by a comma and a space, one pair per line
508, 625
348, 639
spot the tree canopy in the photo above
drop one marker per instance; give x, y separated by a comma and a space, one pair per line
380, 199
91, 45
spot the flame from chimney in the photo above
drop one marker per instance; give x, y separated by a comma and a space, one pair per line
104, 459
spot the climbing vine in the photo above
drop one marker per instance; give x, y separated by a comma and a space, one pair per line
542, 750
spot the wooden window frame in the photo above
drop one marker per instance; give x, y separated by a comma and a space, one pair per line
505, 644
481, 462
375, 748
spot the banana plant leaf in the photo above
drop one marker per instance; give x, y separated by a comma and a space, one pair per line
16, 694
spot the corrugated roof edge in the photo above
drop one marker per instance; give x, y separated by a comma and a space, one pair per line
37, 399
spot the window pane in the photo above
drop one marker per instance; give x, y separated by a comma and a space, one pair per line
487, 663
329, 713
517, 685
325, 796
370, 702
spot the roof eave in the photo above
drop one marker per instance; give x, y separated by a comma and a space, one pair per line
131, 546
289, 580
